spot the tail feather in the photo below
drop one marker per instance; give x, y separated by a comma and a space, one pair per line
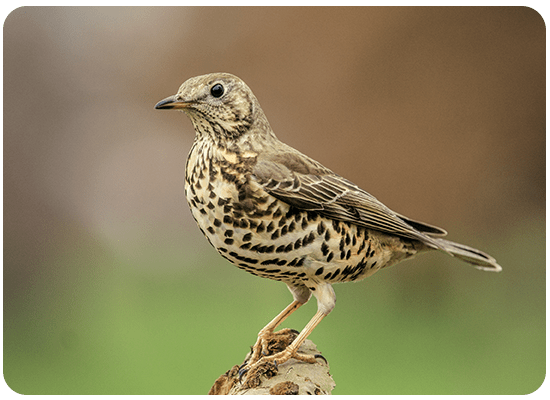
481, 260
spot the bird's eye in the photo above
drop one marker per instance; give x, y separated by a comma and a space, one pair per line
217, 90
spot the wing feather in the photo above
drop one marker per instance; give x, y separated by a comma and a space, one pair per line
303, 183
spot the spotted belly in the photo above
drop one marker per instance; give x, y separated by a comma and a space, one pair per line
280, 242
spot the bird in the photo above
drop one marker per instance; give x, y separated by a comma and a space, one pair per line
276, 213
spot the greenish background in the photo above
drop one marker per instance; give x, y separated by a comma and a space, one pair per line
109, 287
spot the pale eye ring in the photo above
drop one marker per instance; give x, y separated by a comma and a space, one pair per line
217, 90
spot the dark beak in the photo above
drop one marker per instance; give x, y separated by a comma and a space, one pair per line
171, 103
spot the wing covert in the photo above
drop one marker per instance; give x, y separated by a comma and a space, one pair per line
316, 188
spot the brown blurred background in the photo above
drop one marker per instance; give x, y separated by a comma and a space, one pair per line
109, 287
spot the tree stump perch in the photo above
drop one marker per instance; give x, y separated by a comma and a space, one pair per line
291, 377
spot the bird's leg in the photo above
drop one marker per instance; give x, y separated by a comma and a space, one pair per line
292, 350
260, 346
257, 365
301, 295
270, 363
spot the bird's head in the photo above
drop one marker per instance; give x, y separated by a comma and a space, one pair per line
220, 105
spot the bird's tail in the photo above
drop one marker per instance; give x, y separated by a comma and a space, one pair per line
481, 260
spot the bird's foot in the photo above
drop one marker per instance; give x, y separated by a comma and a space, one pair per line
270, 343
271, 350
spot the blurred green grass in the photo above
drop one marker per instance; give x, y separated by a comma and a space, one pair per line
102, 325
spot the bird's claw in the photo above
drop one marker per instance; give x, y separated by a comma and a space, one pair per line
242, 369
242, 372
320, 356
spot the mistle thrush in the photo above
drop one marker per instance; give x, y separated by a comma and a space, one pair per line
276, 213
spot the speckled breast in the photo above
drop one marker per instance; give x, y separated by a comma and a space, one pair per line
267, 237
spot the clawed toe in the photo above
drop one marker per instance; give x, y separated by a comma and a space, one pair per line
271, 343
275, 348
242, 370
271, 350
320, 356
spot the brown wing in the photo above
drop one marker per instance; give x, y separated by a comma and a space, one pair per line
303, 183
